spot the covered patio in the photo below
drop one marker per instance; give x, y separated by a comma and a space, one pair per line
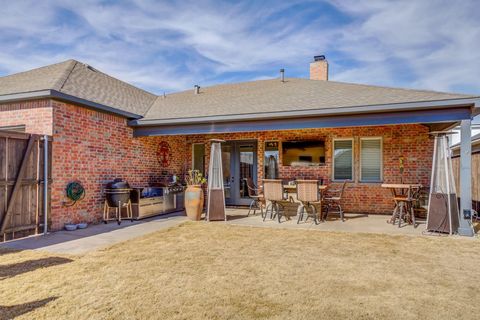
292, 129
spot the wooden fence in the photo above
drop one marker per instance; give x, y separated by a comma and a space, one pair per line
475, 178
21, 184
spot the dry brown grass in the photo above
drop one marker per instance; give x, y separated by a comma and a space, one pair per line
218, 271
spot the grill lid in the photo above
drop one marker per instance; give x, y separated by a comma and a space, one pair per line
117, 184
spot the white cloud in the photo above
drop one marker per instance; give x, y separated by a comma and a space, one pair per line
173, 45
436, 41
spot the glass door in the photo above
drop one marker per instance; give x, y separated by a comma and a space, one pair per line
239, 159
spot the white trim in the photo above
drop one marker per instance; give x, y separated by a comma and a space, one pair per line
353, 157
360, 159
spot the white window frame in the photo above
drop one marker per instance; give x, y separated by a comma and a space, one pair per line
193, 154
381, 159
353, 158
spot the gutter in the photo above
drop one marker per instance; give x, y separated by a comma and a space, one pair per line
54, 94
393, 107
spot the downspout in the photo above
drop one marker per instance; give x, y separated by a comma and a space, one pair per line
45, 185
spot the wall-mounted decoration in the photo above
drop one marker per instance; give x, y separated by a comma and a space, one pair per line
163, 154
271, 145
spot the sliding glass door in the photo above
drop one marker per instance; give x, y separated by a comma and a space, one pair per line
239, 159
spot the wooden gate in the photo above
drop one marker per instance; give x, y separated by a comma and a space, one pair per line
22, 184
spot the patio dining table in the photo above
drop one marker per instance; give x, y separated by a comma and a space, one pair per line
292, 189
403, 194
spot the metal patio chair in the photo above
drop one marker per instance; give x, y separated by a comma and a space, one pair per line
258, 200
309, 196
334, 201
274, 193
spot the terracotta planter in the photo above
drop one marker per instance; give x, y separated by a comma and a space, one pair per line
194, 202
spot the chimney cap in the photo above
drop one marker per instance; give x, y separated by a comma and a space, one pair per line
319, 57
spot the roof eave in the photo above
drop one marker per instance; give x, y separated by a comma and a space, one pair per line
54, 94
25, 96
419, 105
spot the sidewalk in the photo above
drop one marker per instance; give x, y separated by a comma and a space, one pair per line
95, 236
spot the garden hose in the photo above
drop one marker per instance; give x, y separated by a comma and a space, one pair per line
75, 192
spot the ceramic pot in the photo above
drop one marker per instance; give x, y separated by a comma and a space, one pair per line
70, 227
194, 199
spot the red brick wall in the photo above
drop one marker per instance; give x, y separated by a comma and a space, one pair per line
94, 148
319, 70
36, 115
410, 141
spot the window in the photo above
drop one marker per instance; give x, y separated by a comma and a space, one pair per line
371, 159
198, 157
343, 159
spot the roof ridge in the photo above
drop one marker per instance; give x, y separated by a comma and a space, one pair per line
66, 74
363, 85
152, 104
230, 84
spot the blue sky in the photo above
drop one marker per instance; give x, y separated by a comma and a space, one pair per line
169, 46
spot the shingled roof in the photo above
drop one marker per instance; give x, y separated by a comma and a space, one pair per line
275, 96
82, 81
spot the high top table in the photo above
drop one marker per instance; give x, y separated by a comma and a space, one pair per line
403, 196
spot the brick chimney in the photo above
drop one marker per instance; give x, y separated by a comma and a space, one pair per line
319, 68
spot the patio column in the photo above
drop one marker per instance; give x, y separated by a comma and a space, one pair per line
465, 228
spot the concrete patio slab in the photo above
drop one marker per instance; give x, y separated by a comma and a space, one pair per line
353, 223
95, 236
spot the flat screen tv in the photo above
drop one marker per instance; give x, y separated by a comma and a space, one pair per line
303, 153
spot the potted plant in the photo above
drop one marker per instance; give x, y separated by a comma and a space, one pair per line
194, 197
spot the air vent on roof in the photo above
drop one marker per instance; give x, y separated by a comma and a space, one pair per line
89, 67
196, 89
282, 75
319, 58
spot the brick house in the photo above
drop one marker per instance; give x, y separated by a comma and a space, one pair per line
104, 128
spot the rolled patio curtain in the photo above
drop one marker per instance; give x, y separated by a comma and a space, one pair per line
272, 167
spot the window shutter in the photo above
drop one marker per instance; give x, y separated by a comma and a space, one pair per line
371, 159
343, 163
